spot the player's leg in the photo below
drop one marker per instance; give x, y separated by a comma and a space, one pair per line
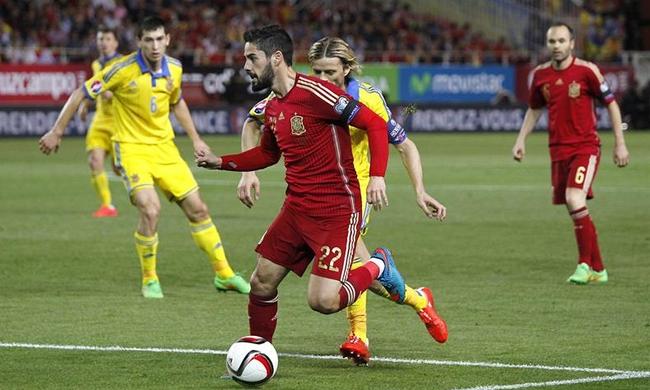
98, 145
134, 164
581, 174
207, 238
334, 242
146, 239
357, 339
263, 298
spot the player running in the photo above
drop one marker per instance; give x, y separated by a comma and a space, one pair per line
333, 60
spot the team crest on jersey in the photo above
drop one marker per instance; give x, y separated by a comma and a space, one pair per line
297, 125
96, 86
574, 90
341, 104
170, 84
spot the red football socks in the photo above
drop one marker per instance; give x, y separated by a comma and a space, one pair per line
262, 315
587, 239
358, 281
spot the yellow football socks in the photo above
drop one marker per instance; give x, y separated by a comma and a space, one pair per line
415, 300
99, 180
206, 236
357, 312
147, 248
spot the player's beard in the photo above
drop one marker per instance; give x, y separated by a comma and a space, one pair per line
263, 81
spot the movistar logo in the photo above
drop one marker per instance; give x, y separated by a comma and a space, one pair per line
420, 84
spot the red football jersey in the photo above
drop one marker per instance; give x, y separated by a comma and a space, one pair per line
570, 96
309, 127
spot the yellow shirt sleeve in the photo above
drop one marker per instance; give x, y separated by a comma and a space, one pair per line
258, 110
106, 79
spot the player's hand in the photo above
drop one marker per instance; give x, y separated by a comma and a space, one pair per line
248, 190
621, 155
49, 142
200, 147
519, 151
376, 193
207, 159
82, 111
431, 207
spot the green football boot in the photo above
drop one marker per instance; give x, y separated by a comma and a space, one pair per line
234, 283
581, 274
598, 277
152, 289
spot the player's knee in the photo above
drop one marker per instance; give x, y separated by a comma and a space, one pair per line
261, 286
95, 163
199, 212
150, 211
575, 200
323, 304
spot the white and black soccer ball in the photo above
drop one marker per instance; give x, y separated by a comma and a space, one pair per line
252, 360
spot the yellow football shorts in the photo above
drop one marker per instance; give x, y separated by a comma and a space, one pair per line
99, 136
145, 165
367, 208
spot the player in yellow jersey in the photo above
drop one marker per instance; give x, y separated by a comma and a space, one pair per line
146, 84
98, 138
332, 59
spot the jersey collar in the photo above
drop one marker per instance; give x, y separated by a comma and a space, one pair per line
352, 88
144, 68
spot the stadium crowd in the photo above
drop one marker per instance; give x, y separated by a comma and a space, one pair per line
209, 32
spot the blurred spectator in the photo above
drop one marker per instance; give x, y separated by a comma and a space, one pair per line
210, 32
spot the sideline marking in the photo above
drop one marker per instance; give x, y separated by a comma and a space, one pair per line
619, 374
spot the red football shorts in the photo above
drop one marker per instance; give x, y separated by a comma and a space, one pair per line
578, 171
294, 239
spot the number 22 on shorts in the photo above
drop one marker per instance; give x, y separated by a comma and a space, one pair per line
325, 252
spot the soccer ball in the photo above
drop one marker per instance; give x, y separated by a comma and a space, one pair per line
252, 360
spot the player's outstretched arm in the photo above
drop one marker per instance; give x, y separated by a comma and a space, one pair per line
410, 155
248, 189
530, 119
621, 155
182, 113
52, 139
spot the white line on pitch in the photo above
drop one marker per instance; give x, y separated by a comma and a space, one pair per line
117, 348
621, 376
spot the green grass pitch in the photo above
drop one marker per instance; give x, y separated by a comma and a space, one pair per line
497, 267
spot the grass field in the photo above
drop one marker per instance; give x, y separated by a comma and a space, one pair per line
497, 267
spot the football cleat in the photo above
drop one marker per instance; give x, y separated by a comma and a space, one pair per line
356, 349
391, 279
234, 283
152, 289
105, 212
598, 277
581, 274
436, 326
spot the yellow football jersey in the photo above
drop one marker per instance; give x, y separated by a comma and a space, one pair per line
103, 107
141, 98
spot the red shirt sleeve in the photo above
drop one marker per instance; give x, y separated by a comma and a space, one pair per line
536, 98
599, 89
262, 156
375, 125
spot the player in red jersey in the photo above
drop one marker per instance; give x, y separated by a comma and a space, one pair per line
306, 122
568, 87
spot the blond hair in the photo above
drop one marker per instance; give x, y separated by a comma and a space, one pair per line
334, 47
